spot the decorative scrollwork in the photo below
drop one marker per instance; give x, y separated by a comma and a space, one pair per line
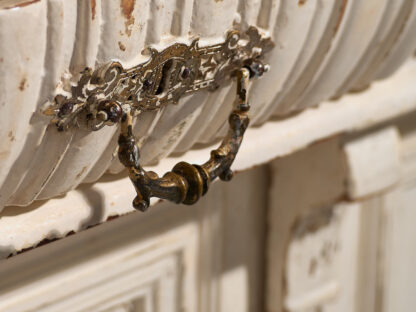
101, 96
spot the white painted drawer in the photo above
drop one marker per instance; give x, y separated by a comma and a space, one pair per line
323, 49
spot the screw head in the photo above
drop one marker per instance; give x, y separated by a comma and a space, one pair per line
65, 109
186, 73
112, 109
115, 112
256, 68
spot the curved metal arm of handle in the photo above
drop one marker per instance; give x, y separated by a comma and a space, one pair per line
186, 183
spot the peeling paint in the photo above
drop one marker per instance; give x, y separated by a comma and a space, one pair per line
128, 26
47, 240
93, 5
43, 242
121, 46
127, 7
22, 84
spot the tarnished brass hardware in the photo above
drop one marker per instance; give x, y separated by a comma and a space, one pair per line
112, 94
186, 183
100, 95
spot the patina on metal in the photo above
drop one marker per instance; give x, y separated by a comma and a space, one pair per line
112, 94
101, 95
186, 183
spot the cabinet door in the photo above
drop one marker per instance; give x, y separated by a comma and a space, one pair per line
341, 214
207, 258
312, 240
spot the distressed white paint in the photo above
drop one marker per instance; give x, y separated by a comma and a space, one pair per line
397, 240
321, 265
322, 48
322, 255
307, 265
173, 258
326, 16
21, 72
147, 269
357, 256
374, 162
278, 138
302, 184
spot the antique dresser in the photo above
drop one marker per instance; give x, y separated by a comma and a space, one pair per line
208, 155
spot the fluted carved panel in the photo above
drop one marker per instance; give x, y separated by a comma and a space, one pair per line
324, 48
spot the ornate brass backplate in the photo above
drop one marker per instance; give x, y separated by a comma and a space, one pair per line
112, 94
101, 95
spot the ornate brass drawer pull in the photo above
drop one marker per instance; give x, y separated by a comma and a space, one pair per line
112, 94
186, 183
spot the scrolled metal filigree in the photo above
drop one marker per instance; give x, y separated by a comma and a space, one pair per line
186, 183
101, 95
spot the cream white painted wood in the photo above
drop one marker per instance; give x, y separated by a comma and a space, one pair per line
337, 205
25, 227
325, 254
158, 271
374, 162
323, 49
175, 258
303, 184
353, 37
326, 16
321, 263
397, 243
